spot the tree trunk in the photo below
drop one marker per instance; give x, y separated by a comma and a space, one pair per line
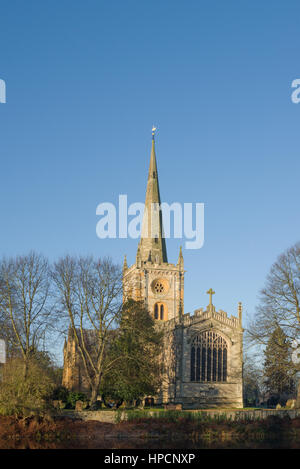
25, 369
95, 390
298, 397
94, 395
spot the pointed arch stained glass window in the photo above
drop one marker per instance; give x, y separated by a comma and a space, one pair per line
209, 358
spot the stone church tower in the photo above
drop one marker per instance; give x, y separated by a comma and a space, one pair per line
152, 279
203, 354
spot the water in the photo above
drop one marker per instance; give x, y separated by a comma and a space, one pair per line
124, 443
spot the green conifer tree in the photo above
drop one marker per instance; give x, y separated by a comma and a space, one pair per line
278, 368
135, 353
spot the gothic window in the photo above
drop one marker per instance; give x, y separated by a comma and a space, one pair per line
156, 311
209, 358
162, 312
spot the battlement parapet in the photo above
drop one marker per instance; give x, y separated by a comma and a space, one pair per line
152, 266
221, 316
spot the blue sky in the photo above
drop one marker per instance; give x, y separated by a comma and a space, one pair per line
86, 81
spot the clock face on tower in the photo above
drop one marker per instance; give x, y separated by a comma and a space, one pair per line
160, 286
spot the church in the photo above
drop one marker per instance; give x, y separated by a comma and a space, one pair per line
203, 352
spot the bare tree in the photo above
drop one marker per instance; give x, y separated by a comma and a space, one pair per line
90, 294
252, 381
279, 301
24, 302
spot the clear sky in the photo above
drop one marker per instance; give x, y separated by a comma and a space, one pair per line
85, 82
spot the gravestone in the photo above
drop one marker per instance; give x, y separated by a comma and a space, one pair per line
173, 406
79, 406
291, 404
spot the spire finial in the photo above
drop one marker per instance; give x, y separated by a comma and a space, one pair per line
153, 131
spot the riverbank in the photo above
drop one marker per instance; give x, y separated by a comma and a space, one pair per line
63, 432
113, 416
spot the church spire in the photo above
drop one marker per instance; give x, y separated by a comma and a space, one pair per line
152, 244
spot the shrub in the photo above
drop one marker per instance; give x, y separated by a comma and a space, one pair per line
60, 393
73, 397
24, 393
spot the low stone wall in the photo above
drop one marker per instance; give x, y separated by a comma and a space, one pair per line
260, 414
106, 416
109, 416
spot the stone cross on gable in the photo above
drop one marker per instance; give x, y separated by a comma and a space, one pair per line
210, 292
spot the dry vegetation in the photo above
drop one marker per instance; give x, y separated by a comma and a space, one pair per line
58, 432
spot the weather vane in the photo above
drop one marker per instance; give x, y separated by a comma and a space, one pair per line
153, 130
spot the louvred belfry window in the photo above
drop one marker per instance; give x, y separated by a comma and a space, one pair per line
160, 312
209, 353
